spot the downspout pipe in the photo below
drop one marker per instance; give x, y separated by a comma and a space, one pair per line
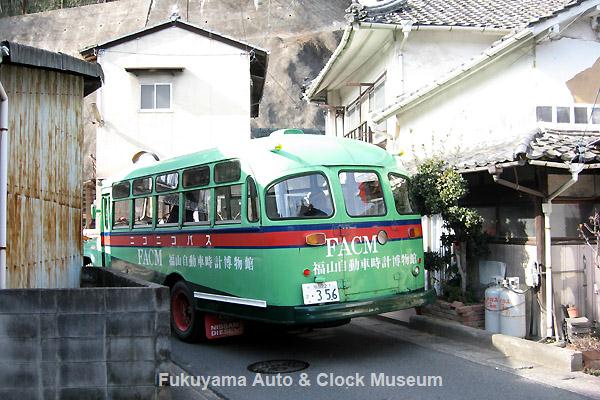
3, 174
496, 171
547, 211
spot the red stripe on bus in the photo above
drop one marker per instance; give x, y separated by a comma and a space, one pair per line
255, 239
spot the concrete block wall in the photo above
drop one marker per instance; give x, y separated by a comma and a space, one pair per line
85, 343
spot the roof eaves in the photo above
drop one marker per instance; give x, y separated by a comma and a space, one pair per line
29, 56
544, 147
458, 74
314, 87
90, 50
510, 43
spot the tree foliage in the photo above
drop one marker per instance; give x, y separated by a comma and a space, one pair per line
437, 188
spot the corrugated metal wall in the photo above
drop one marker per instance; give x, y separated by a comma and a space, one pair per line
44, 177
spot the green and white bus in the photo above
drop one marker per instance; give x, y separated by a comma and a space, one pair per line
292, 229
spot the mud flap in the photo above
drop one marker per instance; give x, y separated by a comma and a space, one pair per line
219, 326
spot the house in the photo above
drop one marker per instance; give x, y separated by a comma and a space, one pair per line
173, 88
299, 36
507, 91
45, 92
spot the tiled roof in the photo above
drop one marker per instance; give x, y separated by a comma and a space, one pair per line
562, 146
504, 14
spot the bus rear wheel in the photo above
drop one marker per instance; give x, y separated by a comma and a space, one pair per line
186, 322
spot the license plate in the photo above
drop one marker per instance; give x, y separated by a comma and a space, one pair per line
326, 292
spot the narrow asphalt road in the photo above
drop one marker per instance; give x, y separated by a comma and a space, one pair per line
353, 350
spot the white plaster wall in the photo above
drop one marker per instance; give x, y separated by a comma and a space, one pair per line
210, 98
426, 55
499, 101
558, 61
486, 107
429, 54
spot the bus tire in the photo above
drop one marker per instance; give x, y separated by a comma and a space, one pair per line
186, 322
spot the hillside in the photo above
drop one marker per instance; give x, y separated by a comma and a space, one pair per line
300, 36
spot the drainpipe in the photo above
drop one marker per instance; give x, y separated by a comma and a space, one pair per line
3, 174
547, 211
496, 171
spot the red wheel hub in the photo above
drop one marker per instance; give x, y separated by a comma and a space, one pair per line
181, 308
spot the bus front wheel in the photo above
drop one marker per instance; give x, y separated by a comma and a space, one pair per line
186, 322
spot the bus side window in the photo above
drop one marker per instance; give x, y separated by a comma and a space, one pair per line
252, 200
168, 209
121, 214
228, 205
197, 206
227, 171
399, 186
142, 211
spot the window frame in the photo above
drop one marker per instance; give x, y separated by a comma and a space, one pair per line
150, 198
214, 204
256, 199
155, 177
220, 182
346, 170
282, 179
210, 207
591, 111
112, 190
185, 187
112, 207
407, 182
155, 212
148, 193
154, 108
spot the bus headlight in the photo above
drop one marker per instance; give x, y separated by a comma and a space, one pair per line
382, 237
416, 270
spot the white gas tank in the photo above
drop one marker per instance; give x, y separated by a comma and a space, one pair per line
512, 310
492, 308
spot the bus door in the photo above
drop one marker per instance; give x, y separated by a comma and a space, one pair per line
368, 255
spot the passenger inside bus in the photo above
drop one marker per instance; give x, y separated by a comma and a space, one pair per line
318, 204
173, 217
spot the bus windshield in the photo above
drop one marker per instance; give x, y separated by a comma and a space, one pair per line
306, 196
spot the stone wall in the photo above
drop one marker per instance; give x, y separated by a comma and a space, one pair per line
86, 343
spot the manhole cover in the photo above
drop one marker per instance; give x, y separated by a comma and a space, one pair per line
277, 366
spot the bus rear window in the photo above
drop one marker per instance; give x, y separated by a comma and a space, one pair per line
305, 196
362, 193
399, 187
